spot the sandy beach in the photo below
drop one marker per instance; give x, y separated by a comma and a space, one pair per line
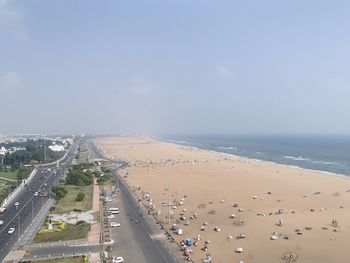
280, 210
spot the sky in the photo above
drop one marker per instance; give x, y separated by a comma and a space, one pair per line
175, 66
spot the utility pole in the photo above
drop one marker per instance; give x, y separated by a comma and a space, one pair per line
32, 211
19, 227
169, 220
44, 150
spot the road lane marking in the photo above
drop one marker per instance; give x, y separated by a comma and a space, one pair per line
158, 236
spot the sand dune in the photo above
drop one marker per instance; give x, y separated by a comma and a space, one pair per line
265, 195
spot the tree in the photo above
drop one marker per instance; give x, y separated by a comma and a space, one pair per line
80, 196
23, 172
101, 180
59, 191
76, 177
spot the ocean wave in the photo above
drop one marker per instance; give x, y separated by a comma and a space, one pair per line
227, 148
323, 162
299, 158
259, 153
176, 141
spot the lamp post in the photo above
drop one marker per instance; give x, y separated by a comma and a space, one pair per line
169, 220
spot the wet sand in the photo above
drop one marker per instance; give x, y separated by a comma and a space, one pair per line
210, 184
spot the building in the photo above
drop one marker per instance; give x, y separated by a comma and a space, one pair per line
56, 148
3, 150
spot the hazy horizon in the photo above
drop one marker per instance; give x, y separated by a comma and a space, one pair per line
174, 67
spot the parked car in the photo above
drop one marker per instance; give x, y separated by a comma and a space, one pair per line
110, 216
11, 230
118, 260
1, 222
36, 194
114, 212
17, 204
115, 224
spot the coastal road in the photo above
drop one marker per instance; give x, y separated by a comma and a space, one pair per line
20, 217
135, 242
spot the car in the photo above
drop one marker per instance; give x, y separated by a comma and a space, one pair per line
115, 224
17, 204
1, 222
36, 194
118, 260
114, 212
11, 230
110, 216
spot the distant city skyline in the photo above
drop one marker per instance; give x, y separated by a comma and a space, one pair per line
188, 67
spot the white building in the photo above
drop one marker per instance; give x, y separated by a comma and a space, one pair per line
3, 150
56, 148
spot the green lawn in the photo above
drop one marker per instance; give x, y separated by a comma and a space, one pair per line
68, 203
9, 175
83, 157
83, 154
5, 189
62, 260
71, 232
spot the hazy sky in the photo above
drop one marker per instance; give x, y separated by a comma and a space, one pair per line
180, 66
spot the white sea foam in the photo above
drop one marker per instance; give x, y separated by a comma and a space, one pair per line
227, 148
299, 158
175, 141
322, 162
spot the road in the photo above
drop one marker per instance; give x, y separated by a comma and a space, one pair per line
20, 217
135, 242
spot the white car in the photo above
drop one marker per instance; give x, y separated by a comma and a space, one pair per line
11, 230
110, 216
17, 204
1, 222
114, 212
115, 224
118, 260
36, 194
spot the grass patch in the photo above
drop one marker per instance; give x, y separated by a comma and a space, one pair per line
83, 157
68, 203
6, 187
83, 154
62, 260
11, 175
71, 232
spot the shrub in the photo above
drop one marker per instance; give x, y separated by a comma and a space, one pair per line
80, 196
44, 231
62, 225
59, 191
80, 222
101, 180
85, 258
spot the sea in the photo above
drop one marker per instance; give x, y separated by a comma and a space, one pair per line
329, 154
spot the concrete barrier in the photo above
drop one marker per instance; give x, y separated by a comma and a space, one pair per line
18, 189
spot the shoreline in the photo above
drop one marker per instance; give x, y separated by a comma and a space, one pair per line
177, 143
266, 201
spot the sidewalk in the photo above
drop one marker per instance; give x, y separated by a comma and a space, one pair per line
77, 242
95, 231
